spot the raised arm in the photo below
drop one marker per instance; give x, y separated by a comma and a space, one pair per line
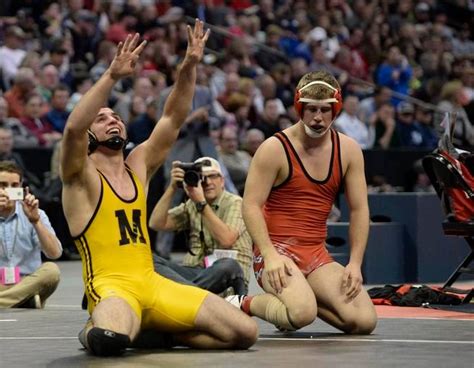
159, 219
148, 156
74, 143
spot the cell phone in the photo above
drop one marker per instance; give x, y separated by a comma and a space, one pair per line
15, 194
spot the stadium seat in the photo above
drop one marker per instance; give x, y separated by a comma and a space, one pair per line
445, 178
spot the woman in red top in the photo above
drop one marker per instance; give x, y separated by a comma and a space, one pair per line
38, 126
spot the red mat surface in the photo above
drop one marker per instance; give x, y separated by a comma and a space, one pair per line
386, 311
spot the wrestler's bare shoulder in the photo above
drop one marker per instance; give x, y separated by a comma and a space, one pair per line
80, 197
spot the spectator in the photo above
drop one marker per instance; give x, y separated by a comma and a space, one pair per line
407, 127
38, 126
273, 53
21, 136
266, 90
58, 56
83, 84
48, 80
253, 140
23, 84
140, 129
349, 124
386, 135
105, 55
424, 118
213, 218
268, 123
11, 53
453, 99
368, 106
236, 161
231, 86
58, 114
7, 154
142, 88
26, 232
395, 73
238, 106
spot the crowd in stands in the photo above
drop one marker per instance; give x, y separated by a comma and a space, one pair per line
401, 64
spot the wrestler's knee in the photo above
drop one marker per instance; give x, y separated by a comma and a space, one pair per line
302, 315
245, 333
362, 324
102, 342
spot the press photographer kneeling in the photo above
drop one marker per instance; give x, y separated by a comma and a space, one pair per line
220, 249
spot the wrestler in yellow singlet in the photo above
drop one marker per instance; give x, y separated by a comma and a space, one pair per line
117, 262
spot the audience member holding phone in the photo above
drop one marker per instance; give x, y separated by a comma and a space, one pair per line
25, 231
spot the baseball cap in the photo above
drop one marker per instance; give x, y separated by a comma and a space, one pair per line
15, 31
215, 167
405, 107
422, 7
317, 34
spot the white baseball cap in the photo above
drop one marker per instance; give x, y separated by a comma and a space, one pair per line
214, 167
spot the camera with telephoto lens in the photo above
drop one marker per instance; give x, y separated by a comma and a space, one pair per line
193, 172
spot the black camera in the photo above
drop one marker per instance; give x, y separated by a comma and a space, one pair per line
193, 172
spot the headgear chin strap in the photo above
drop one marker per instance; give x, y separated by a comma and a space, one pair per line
335, 100
312, 134
115, 143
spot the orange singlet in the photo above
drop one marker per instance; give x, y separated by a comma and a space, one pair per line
296, 211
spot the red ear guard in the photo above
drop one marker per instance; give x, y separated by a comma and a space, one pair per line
336, 105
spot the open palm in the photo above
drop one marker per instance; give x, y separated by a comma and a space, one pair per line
196, 41
126, 58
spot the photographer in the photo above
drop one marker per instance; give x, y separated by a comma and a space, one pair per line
25, 231
219, 241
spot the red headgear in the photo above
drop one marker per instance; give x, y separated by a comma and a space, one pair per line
335, 100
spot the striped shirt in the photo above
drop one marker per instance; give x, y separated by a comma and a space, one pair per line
228, 207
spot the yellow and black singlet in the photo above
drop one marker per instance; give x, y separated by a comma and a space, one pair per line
115, 242
117, 262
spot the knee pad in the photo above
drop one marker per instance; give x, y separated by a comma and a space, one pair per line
277, 313
106, 343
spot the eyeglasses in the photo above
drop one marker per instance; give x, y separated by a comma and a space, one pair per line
211, 176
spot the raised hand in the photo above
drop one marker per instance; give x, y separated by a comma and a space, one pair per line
196, 42
31, 207
126, 58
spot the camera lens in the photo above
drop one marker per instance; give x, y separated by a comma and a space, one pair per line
192, 178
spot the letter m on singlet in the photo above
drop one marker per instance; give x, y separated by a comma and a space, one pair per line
130, 233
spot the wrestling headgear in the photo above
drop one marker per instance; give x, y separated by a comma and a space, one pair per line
335, 100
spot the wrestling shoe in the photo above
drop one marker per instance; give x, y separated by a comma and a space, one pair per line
235, 300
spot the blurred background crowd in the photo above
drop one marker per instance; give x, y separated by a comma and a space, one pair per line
401, 65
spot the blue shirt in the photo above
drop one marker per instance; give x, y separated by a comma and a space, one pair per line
19, 242
57, 119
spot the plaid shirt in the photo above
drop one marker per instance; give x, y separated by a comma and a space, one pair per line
228, 207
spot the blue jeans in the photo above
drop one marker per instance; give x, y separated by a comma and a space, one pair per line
224, 273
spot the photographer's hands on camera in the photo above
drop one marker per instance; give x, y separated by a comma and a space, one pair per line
30, 204
196, 194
